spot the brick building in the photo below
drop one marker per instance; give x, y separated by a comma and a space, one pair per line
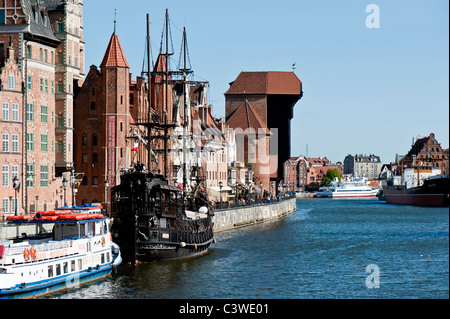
43, 41
427, 150
104, 109
301, 173
11, 126
259, 106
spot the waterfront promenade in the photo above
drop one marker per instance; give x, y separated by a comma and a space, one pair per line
231, 218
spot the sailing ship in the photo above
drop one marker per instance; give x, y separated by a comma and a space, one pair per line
60, 249
154, 220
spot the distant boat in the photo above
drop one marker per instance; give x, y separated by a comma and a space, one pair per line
350, 188
419, 186
61, 249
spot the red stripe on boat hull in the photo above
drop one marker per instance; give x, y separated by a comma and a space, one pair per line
433, 200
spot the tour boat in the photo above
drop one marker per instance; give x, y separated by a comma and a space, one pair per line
350, 188
55, 250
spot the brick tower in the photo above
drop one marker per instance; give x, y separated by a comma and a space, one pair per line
263, 102
102, 116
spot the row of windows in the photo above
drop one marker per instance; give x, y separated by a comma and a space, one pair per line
58, 269
6, 209
212, 175
44, 116
7, 115
44, 143
5, 174
43, 56
63, 268
14, 143
44, 175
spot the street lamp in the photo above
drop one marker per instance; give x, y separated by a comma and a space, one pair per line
37, 203
262, 192
220, 193
106, 195
236, 192
64, 182
16, 185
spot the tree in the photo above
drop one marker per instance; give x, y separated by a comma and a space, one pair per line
329, 176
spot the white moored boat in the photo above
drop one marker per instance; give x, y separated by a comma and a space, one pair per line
61, 249
354, 188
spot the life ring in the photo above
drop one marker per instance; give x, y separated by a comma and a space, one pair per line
26, 254
33, 252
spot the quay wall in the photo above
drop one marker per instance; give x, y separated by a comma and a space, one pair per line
228, 219
305, 195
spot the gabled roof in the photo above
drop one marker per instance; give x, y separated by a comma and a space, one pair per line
114, 56
418, 146
271, 82
245, 117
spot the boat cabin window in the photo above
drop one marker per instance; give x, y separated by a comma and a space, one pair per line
64, 231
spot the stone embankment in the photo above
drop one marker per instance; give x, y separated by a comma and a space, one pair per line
232, 218
304, 195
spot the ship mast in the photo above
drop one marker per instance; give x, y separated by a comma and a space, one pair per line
186, 117
149, 97
167, 96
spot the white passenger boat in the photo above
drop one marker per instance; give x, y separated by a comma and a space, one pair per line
351, 188
60, 249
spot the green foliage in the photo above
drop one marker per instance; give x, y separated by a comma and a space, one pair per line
329, 177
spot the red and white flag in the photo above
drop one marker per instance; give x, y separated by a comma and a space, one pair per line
135, 148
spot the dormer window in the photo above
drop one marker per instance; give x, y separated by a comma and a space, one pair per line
36, 17
45, 20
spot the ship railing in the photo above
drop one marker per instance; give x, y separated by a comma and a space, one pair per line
149, 207
40, 247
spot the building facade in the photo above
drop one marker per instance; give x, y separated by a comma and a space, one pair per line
427, 151
38, 37
305, 174
259, 106
363, 166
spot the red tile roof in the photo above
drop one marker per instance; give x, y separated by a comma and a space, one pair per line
271, 82
245, 117
114, 56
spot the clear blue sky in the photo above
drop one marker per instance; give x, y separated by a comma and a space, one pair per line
367, 91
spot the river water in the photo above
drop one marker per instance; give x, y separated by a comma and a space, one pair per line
328, 248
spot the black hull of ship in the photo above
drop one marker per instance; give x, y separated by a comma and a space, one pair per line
433, 193
153, 222
135, 249
162, 251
